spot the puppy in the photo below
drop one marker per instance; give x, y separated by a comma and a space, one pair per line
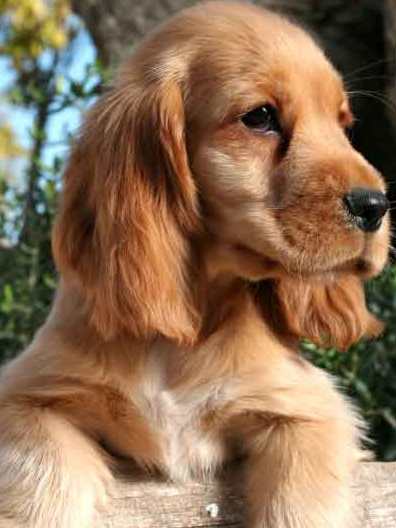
213, 213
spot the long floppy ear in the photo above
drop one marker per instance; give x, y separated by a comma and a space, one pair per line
128, 214
331, 313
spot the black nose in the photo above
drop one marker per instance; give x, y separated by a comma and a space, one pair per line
367, 207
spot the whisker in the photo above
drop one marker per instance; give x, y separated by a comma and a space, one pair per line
368, 66
392, 252
370, 78
374, 95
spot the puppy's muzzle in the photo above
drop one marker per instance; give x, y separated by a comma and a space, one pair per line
367, 208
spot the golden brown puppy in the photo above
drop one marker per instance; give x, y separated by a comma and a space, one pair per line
213, 213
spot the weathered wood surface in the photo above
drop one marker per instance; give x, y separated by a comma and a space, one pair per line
148, 503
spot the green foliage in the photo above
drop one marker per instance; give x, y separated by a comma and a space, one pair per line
9, 146
37, 38
29, 27
367, 372
27, 286
27, 274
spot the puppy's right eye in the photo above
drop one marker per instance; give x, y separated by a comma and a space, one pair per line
263, 119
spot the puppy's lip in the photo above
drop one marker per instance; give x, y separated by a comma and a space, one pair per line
363, 268
366, 269
361, 265
276, 268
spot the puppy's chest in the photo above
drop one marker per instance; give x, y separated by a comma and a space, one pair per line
178, 415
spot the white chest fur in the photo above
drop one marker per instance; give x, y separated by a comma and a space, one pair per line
175, 414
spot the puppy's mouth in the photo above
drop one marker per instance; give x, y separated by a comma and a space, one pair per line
363, 265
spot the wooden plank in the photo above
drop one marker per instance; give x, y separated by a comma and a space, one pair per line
149, 503
376, 489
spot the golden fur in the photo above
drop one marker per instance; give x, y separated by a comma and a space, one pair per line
193, 253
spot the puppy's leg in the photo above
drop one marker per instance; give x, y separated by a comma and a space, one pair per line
51, 474
303, 447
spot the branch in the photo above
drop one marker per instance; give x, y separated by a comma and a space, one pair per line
43, 79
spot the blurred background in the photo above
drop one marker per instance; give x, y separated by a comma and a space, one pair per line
56, 57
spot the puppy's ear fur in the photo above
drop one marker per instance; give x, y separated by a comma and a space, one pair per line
331, 313
129, 209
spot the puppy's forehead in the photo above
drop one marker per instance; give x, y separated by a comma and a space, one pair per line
283, 65
230, 56
237, 55
277, 62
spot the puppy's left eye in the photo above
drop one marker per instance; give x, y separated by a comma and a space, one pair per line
263, 118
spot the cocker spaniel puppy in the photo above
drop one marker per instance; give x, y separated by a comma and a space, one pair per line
213, 213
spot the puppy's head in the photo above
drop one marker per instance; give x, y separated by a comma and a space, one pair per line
228, 121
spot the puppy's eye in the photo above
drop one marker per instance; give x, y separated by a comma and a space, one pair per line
263, 118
